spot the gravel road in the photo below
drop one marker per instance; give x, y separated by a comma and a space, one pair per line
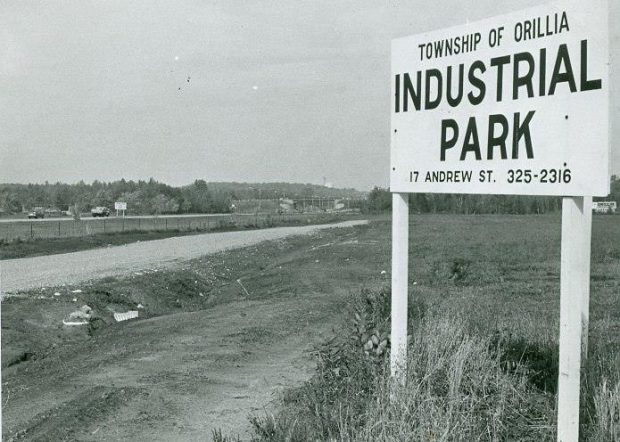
71, 268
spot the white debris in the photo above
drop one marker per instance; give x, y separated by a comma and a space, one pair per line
74, 299
83, 313
415, 282
57, 294
131, 314
79, 317
383, 272
316, 260
76, 291
65, 322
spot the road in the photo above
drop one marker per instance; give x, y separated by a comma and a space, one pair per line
182, 374
71, 268
90, 218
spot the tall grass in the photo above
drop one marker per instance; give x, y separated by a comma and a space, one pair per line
601, 384
456, 390
606, 427
460, 385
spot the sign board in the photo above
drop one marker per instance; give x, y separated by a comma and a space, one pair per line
604, 206
120, 206
514, 104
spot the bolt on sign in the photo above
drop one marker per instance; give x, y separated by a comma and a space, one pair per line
514, 104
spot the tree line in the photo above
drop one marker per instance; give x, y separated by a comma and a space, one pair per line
380, 200
153, 197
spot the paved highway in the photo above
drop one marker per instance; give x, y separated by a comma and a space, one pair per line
88, 217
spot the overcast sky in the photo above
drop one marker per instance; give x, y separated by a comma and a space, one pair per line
231, 90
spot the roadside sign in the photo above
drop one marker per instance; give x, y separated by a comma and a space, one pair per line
514, 104
120, 205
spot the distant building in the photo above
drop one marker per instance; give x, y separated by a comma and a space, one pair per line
604, 206
52, 211
339, 205
286, 205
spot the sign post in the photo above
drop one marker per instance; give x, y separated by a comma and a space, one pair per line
400, 278
120, 205
516, 104
574, 307
585, 299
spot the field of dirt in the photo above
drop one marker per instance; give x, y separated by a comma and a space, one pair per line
168, 378
217, 339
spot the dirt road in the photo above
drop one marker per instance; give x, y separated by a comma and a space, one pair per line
197, 361
171, 378
71, 268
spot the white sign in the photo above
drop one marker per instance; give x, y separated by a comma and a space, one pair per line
514, 104
604, 207
120, 206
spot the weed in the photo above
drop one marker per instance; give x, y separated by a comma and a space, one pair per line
460, 269
537, 362
607, 406
217, 436
456, 386
455, 391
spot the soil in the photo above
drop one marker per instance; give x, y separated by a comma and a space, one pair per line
174, 374
170, 378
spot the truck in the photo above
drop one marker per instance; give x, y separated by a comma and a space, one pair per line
36, 212
99, 211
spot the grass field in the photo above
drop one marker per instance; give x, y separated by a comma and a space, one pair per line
483, 356
484, 311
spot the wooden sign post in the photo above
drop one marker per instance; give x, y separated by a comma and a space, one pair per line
400, 278
516, 104
574, 308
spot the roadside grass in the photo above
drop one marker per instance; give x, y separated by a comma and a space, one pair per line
49, 246
20, 248
483, 355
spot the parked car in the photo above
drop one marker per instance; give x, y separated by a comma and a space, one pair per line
99, 211
37, 212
